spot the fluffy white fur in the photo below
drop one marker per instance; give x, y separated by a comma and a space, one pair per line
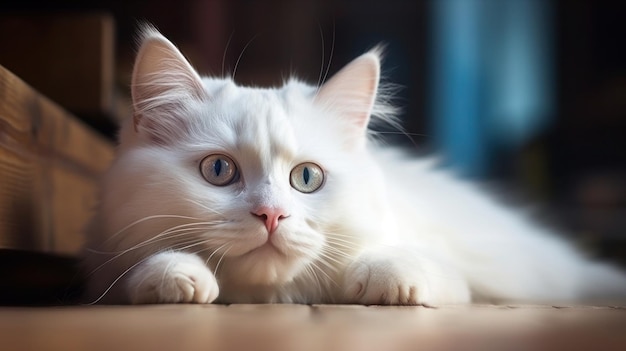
383, 229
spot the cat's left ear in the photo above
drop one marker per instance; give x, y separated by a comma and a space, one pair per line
163, 83
351, 93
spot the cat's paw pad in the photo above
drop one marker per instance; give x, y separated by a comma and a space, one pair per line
172, 278
373, 280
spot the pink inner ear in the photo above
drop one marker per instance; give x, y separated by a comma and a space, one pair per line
163, 81
352, 91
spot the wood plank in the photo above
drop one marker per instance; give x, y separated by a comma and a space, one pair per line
49, 166
300, 327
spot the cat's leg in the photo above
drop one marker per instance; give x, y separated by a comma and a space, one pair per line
172, 277
403, 276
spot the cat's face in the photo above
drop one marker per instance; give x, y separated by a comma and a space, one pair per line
258, 181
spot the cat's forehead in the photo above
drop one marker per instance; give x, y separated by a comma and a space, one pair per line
227, 89
257, 113
266, 121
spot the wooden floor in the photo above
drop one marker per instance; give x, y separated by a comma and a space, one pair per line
300, 327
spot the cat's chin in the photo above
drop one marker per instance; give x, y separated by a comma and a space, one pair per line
264, 265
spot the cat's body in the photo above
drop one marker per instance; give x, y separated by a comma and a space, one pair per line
231, 194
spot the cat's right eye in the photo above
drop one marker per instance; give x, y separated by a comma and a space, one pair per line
307, 177
219, 170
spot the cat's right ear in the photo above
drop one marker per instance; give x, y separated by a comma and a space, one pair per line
163, 82
351, 93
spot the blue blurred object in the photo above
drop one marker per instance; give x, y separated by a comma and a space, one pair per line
491, 82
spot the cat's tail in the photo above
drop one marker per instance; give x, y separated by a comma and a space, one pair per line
603, 282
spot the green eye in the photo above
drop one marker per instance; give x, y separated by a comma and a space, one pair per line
307, 177
219, 170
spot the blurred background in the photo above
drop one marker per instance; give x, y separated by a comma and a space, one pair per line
526, 93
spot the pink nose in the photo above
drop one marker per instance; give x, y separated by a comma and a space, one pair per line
270, 216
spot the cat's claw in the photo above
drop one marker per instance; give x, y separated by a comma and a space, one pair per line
172, 277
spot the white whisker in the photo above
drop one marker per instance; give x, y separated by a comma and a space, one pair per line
116, 280
149, 241
225, 51
330, 59
213, 253
205, 207
314, 265
145, 219
241, 55
220, 260
319, 79
343, 243
310, 272
327, 255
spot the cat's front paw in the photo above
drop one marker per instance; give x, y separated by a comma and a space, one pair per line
172, 277
386, 280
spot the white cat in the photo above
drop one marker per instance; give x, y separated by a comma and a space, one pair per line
223, 193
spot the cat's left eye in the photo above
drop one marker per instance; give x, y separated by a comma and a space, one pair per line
219, 170
307, 177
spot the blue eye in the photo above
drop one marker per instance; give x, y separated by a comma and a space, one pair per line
307, 177
219, 170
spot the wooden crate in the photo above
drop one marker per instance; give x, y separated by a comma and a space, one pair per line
49, 168
67, 57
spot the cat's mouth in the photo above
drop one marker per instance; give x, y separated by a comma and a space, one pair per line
267, 248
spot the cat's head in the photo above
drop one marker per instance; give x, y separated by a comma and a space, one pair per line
272, 183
